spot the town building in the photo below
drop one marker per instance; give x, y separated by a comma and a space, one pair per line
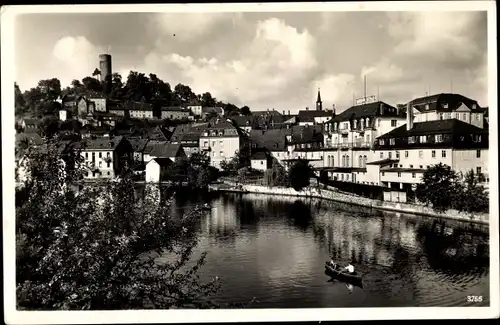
261, 161
189, 136
195, 108
99, 100
106, 157
305, 143
311, 117
138, 147
140, 110
168, 150
350, 135
222, 141
30, 125
156, 169
273, 141
174, 113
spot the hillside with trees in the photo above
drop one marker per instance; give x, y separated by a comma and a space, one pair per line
41, 100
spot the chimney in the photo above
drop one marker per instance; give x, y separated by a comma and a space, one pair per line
333, 109
381, 107
307, 108
288, 112
284, 112
409, 117
474, 106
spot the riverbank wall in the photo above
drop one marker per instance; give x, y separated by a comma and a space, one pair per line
334, 195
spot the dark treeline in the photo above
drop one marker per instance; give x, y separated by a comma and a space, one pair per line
41, 100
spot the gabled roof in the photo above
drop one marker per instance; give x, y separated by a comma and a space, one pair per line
313, 113
137, 106
174, 109
449, 126
166, 150
307, 134
438, 102
272, 140
138, 144
260, 155
101, 143
368, 110
163, 162
217, 110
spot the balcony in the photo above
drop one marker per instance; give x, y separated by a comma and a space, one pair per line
350, 145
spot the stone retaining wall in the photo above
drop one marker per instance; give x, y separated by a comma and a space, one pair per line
314, 192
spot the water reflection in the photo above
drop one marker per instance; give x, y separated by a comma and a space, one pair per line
274, 248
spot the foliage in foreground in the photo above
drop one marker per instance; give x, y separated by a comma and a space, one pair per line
98, 247
442, 188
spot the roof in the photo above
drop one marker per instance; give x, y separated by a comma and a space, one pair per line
105, 114
260, 155
189, 132
137, 106
32, 121
165, 150
157, 133
313, 113
272, 140
448, 126
402, 170
163, 162
342, 169
265, 112
307, 134
101, 143
383, 162
138, 144
368, 110
174, 109
437, 102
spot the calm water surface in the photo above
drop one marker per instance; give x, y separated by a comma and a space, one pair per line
274, 248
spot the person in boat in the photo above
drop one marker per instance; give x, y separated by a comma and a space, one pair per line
350, 287
332, 262
349, 268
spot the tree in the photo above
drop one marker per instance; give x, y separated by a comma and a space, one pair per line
98, 248
472, 196
299, 175
279, 174
184, 94
439, 187
51, 88
245, 110
19, 102
49, 126
207, 100
91, 84
96, 73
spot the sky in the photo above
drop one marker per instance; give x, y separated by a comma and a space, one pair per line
267, 60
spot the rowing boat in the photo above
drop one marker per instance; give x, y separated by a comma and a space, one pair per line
341, 275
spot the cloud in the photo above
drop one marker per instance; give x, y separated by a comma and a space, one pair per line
74, 58
440, 51
277, 60
192, 26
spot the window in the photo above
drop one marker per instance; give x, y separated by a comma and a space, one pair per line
100, 164
205, 144
86, 155
383, 173
421, 167
390, 155
406, 154
378, 122
478, 170
108, 173
393, 123
411, 166
213, 143
439, 138
411, 140
443, 153
381, 142
423, 139
100, 154
441, 116
221, 153
420, 154
413, 175
433, 153
107, 154
381, 155
392, 141
261, 162
478, 154
397, 154
399, 174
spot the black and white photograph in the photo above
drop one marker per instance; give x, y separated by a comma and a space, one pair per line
259, 162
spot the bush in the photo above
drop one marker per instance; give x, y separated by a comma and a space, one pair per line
299, 175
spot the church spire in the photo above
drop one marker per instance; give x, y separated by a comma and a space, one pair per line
319, 103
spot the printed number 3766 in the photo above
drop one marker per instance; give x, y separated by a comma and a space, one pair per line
474, 298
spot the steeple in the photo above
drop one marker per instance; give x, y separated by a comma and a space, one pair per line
319, 103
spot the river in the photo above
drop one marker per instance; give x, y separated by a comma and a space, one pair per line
274, 248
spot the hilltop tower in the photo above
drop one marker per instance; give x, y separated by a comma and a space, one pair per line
106, 72
319, 103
